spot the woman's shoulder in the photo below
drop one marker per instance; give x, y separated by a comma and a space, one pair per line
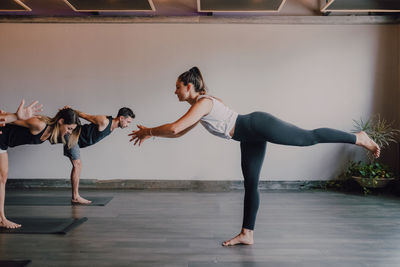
205, 100
219, 99
211, 97
204, 97
37, 122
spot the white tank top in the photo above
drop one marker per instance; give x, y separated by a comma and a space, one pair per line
220, 120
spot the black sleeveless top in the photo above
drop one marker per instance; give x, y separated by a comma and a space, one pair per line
14, 135
90, 133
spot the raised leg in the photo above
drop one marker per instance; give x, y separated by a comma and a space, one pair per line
274, 130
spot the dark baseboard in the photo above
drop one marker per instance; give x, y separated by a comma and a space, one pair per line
185, 185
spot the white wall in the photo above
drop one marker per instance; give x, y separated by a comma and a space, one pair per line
310, 75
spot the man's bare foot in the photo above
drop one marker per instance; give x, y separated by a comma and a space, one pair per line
365, 141
245, 238
4, 223
80, 200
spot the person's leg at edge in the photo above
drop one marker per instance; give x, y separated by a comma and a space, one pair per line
3, 180
252, 158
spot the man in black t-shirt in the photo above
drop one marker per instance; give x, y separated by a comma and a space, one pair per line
99, 127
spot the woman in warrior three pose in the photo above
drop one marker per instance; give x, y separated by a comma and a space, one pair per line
253, 131
23, 128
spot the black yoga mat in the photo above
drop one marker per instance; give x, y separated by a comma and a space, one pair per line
14, 263
52, 201
231, 264
44, 225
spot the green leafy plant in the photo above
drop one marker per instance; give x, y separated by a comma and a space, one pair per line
369, 170
370, 173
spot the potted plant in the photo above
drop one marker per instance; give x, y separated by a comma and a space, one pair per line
372, 174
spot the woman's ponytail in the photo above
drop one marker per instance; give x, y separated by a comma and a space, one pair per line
194, 77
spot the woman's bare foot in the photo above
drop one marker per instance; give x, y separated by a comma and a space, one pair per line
245, 238
80, 200
4, 223
365, 141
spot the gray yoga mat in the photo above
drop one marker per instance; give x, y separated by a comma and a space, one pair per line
44, 225
14, 263
51, 201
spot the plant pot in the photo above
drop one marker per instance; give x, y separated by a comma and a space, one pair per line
372, 182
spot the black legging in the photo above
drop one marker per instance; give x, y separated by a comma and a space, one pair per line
253, 131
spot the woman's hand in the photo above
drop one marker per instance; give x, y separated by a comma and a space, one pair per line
24, 113
140, 135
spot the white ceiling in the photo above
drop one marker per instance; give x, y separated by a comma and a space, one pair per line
163, 8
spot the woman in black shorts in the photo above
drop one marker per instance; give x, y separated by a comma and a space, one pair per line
21, 130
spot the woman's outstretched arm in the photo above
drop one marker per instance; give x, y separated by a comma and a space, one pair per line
177, 128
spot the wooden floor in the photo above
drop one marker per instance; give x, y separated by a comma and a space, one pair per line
139, 228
